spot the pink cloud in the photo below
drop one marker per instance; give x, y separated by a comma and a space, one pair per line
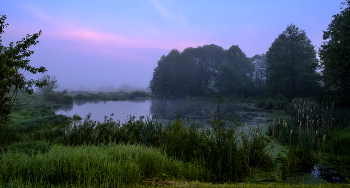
86, 38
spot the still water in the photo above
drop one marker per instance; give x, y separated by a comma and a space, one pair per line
168, 110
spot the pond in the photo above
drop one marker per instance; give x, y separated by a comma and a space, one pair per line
168, 110
191, 111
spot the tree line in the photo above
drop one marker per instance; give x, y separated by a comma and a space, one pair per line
289, 68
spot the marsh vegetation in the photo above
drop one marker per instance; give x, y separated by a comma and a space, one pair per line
182, 145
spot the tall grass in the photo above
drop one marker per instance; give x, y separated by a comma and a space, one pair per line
312, 130
227, 154
107, 166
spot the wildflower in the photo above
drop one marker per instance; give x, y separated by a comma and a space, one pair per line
291, 131
257, 134
261, 126
324, 137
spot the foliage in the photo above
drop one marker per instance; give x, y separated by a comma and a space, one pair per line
51, 84
59, 97
335, 58
173, 77
278, 103
259, 74
195, 70
338, 146
29, 148
292, 65
98, 166
207, 58
234, 74
138, 93
106, 96
314, 129
13, 64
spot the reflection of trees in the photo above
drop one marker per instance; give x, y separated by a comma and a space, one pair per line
158, 107
66, 107
139, 99
170, 109
82, 102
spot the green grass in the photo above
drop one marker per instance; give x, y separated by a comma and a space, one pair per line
110, 166
144, 152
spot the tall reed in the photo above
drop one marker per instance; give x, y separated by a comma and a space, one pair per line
99, 166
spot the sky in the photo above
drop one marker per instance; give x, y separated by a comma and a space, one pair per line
89, 44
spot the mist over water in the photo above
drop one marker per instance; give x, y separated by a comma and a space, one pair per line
163, 110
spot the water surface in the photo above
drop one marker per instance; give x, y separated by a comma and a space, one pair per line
168, 110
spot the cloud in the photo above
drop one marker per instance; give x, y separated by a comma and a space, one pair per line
165, 12
76, 37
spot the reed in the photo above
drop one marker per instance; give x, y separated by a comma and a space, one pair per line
106, 166
312, 130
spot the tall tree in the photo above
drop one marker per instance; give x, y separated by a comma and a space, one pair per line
335, 54
173, 77
235, 72
260, 64
13, 65
207, 58
292, 64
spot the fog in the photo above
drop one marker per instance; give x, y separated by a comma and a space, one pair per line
116, 45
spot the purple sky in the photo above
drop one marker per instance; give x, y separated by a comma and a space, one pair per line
89, 43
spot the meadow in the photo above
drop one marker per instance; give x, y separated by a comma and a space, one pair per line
39, 148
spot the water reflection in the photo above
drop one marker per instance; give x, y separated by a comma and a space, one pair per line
83, 102
168, 110
198, 111
327, 173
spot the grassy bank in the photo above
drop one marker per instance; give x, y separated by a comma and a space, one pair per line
40, 148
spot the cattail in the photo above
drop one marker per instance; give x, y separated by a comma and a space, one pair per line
257, 134
324, 137
261, 126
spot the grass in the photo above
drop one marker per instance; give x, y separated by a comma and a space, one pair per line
109, 165
42, 149
313, 130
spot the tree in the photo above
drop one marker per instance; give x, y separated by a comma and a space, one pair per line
259, 74
51, 84
13, 65
335, 55
207, 58
174, 75
292, 65
234, 74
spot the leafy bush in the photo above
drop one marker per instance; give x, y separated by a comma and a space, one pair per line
59, 97
138, 93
